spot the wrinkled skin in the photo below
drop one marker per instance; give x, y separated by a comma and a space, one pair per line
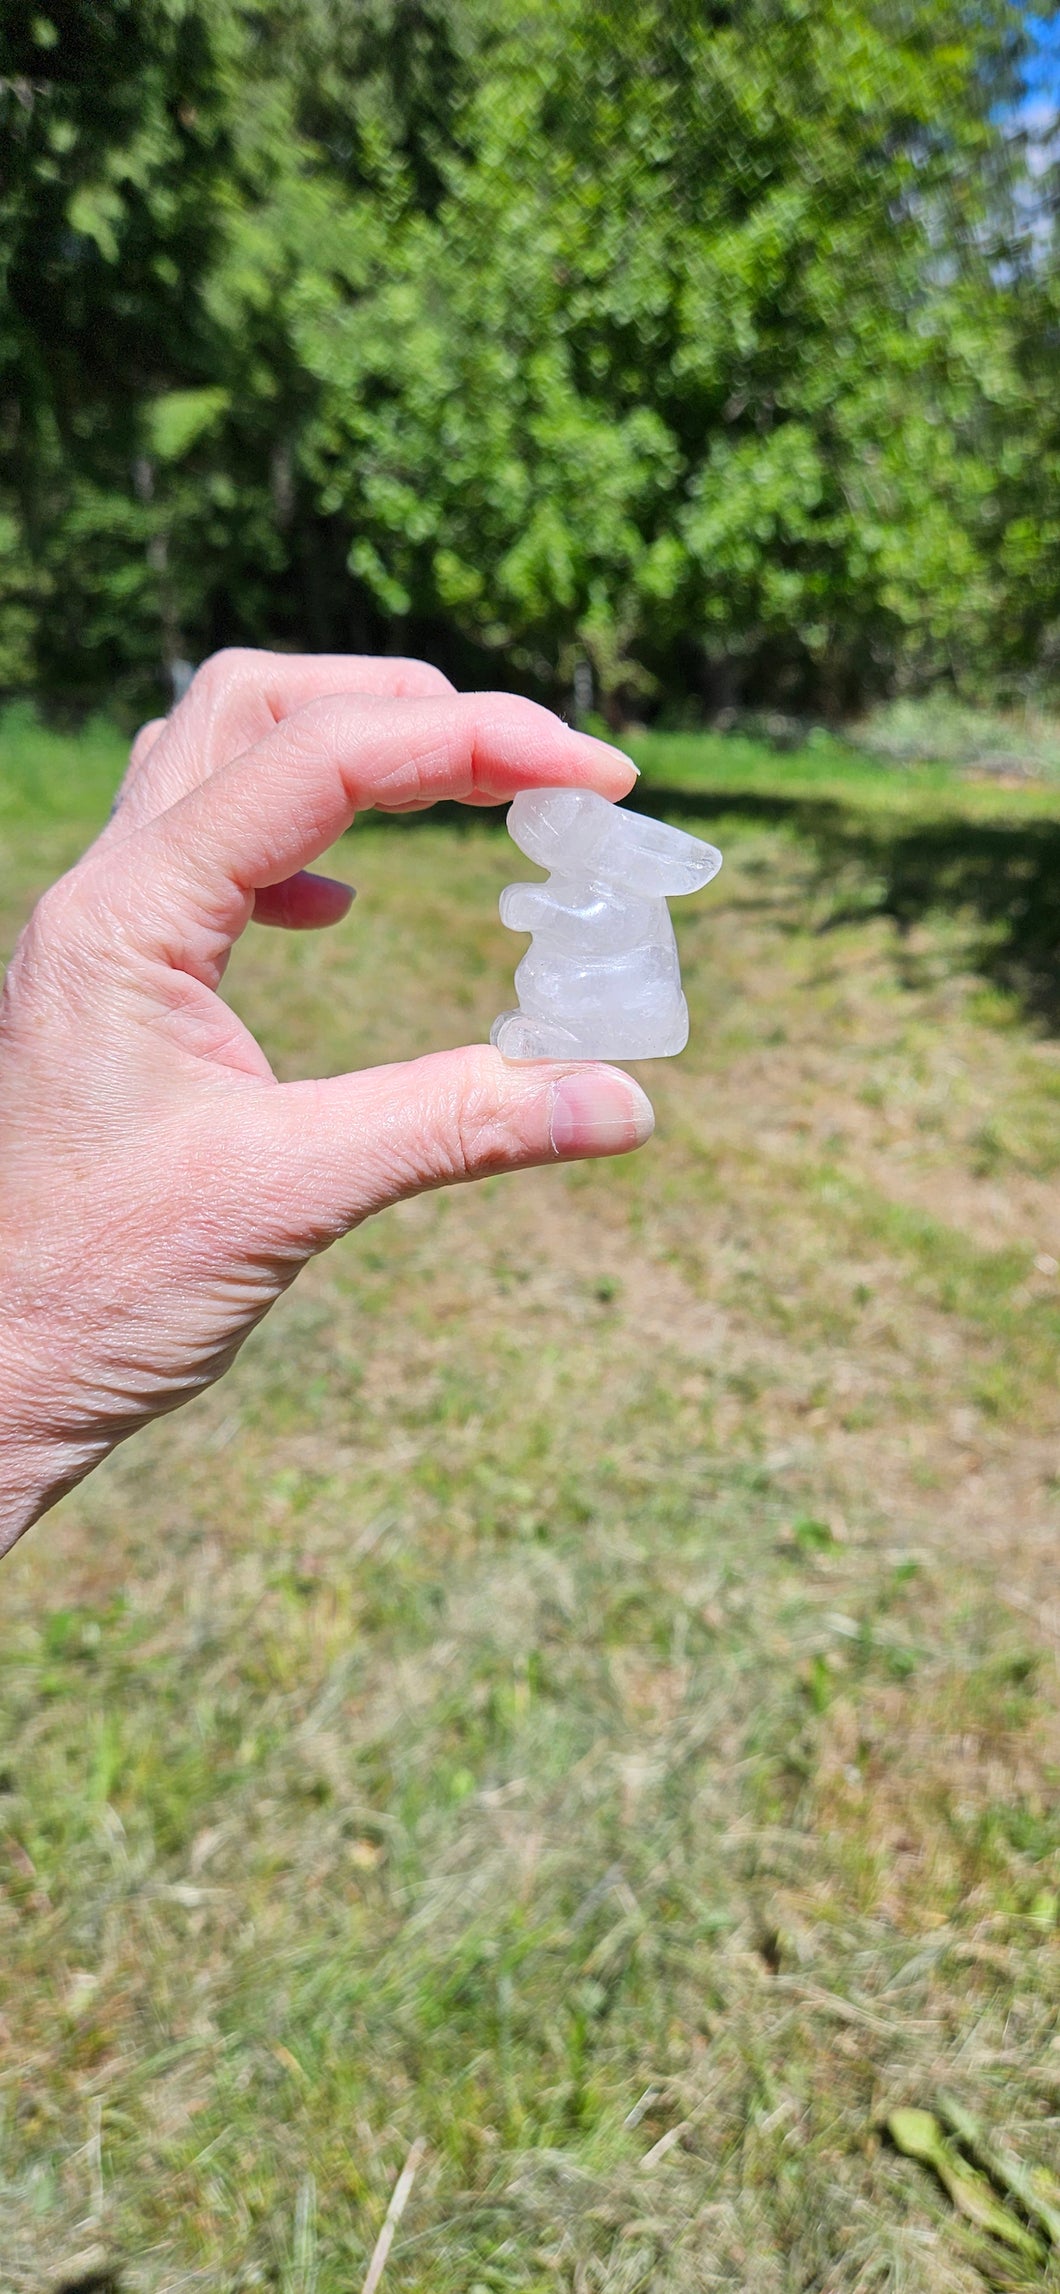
158, 1187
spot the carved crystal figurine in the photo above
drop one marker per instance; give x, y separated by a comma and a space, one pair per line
601, 978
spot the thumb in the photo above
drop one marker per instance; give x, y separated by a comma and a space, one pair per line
341, 1149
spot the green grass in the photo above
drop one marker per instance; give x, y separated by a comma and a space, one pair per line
48, 776
583, 1690
826, 767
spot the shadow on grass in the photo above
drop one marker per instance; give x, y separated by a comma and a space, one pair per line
1004, 875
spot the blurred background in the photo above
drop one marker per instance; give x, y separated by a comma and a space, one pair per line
577, 1706
711, 350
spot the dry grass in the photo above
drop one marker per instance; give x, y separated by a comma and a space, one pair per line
583, 1691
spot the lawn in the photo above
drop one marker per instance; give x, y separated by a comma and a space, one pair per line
581, 1696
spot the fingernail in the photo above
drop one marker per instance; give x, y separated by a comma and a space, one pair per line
599, 1112
612, 748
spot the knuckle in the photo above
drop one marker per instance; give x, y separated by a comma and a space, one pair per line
145, 740
56, 912
221, 671
467, 1139
453, 1130
482, 1136
422, 679
52, 946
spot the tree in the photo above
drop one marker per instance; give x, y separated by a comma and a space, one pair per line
678, 339
115, 125
692, 360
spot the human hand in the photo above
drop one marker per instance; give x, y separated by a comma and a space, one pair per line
158, 1187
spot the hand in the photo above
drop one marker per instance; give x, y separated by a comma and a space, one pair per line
158, 1187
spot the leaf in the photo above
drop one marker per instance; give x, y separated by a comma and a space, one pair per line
176, 422
1038, 2191
918, 2135
95, 212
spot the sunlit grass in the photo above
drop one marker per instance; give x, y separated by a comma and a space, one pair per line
47, 775
582, 1691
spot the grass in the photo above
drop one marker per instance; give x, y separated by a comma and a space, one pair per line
583, 1690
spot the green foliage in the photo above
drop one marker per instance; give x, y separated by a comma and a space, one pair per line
701, 344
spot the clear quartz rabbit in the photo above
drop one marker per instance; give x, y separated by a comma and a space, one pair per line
601, 978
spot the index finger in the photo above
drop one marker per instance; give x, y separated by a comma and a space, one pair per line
235, 699
196, 869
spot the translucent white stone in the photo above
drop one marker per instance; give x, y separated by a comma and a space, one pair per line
601, 978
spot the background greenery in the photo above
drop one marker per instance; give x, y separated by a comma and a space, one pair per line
713, 346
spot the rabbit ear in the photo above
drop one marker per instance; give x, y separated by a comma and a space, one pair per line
657, 860
575, 830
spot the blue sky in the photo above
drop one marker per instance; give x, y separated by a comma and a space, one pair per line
1043, 67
